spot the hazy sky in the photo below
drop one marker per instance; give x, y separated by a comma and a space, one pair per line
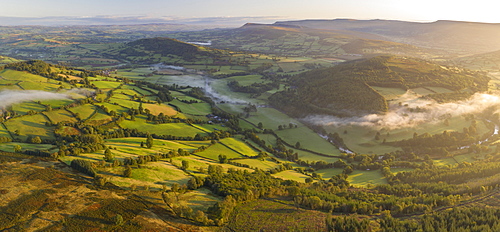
414, 10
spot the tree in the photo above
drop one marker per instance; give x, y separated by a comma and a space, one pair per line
347, 223
348, 170
149, 141
128, 171
17, 148
185, 165
260, 126
36, 140
222, 159
118, 220
200, 217
297, 145
108, 156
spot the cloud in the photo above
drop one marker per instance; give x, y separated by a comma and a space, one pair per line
413, 111
10, 97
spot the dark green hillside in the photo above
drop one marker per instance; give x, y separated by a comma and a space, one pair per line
345, 89
164, 47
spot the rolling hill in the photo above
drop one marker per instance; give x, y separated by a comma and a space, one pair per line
159, 46
346, 89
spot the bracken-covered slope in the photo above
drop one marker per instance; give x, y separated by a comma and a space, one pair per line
346, 89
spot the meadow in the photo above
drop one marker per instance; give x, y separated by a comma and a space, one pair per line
177, 129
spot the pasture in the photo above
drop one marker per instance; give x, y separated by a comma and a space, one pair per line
57, 116
217, 149
9, 147
24, 107
366, 178
239, 146
84, 111
177, 129
28, 126
200, 109
260, 164
291, 175
156, 109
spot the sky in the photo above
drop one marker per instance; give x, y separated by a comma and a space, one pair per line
265, 11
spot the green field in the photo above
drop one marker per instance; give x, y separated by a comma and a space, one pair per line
239, 146
182, 96
308, 140
260, 164
464, 158
4, 132
156, 109
9, 147
193, 108
9, 74
247, 79
177, 129
291, 175
23, 108
84, 111
56, 103
30, 126
57, 116
112, 107
327, 173
271, 118
132, 145
43, 86
106, 84
311, 157
123, 100
217, 149
153, 174
366, 178
183, 80
444, 162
